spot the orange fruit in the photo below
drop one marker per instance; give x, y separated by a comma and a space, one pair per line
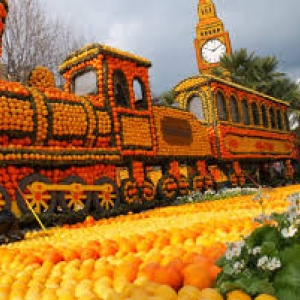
196, 275
168, 275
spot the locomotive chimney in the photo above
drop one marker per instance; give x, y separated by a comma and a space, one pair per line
3, 13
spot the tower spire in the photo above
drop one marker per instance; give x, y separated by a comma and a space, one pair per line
212, 41
206, 9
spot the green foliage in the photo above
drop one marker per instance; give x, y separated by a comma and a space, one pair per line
167, 98
263, 235
268, 260
260, 74
211, 195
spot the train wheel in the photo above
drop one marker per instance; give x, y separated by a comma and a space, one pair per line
234, 180
130, 191
208, 182
197, 183
32, 189
242, 180
148, 191
168, 188
108, 197
5, 201
75, 199
183, 185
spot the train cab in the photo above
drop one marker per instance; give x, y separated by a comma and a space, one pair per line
117, 84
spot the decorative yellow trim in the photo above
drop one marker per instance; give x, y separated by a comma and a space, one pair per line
93, 50
84, 54
125, 54
206, 79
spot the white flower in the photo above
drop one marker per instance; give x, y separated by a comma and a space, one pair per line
292, 218
209, 192
262, 261
289, 232
294, 198
256, 250
234, 249
273, 264
238, 266
261, 218
268, 263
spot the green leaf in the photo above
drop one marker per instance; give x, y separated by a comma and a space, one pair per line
263, 234
228, 269
221, 261
251, 285
288, 277
290, 255
269, 249
261, 286
287, 294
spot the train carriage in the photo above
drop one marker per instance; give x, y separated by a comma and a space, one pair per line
246, 128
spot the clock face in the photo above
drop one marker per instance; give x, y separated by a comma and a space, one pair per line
213, 50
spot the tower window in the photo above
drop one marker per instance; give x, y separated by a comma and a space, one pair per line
245, 110
234, 110
221, 106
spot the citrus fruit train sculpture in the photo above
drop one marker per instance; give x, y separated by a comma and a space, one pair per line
101, 141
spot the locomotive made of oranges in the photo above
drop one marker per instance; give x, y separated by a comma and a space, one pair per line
101, 141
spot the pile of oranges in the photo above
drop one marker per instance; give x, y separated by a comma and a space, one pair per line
168, 253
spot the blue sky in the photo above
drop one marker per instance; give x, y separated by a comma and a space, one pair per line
163, 31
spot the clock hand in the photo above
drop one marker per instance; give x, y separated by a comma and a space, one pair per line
217, 48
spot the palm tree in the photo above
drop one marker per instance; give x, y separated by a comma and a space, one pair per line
260, 74
167, 98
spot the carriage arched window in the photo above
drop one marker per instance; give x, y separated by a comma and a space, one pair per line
245, 110
234, 110
255, 114
140, 99
279, 120
195, 106
273, 118
286, 121
264, 116
221, 106
121, 92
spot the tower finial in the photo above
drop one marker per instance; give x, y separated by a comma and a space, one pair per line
206, 9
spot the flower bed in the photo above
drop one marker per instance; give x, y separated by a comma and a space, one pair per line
168, 253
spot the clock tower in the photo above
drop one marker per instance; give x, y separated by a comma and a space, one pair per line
212, 41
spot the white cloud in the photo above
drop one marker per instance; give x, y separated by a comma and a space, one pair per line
164, 31
123, 36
